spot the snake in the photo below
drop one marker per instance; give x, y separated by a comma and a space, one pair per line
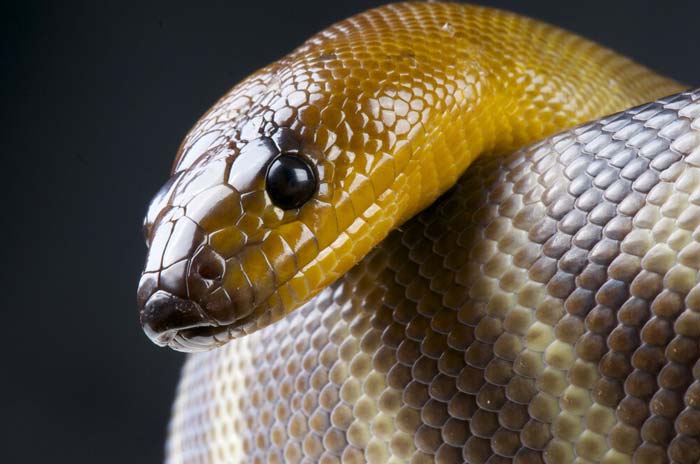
434, 232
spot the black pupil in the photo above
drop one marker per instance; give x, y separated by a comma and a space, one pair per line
290, 181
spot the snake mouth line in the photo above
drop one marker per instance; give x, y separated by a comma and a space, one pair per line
197, 339
206, 337
181, 324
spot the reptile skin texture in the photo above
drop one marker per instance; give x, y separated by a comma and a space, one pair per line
547, 309
389, 107
437, 299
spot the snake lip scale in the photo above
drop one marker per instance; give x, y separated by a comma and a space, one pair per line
369, 267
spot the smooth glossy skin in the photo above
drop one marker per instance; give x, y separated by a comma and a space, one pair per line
390, 107
465, 339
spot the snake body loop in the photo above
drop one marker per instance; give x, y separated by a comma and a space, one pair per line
545, 309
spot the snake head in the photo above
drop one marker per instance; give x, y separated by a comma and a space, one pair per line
296, 173
284, 184
231, 236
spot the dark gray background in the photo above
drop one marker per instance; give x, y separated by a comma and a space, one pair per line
95, 100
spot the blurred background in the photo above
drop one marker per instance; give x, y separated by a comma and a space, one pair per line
96, 97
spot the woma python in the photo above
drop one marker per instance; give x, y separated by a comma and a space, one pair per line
385, 279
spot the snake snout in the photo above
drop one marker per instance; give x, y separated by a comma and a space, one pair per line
164, 315
181, 295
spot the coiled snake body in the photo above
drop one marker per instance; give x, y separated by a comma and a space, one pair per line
545, 309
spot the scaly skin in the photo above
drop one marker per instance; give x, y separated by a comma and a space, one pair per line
391, 107
546, 309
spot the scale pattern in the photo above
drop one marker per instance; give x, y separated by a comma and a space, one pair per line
389, 107
546, 309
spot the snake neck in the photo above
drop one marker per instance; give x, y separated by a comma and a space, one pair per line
460, 82
494, 82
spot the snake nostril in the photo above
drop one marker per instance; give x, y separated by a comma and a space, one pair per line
210, 270
208, 264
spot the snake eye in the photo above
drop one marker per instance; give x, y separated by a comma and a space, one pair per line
290, 181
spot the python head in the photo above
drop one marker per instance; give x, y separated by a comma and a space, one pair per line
286, 183
301, 169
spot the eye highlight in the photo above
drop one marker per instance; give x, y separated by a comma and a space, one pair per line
290, 181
